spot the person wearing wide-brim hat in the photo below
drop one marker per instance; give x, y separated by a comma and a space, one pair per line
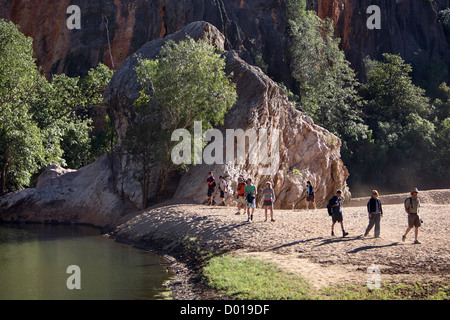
412, 205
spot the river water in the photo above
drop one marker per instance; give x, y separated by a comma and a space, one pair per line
34, 261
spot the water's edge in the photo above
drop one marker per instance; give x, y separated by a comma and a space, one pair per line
185, 283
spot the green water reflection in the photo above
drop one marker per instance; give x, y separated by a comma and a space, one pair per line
34, 261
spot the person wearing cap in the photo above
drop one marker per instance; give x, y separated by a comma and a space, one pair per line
412, 205
240, 195
336, 206
310, 195
375, 213
269, 198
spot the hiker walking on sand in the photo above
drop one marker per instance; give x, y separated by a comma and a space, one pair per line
310, 195
375, 213
211, 182
240, 197
223, 187
250, 198
336, 206
269, 199
412, 205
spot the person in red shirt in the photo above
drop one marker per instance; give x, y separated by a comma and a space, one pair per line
240, 195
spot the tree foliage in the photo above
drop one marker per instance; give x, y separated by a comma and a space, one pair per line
327, 83
41, 121
393, 136
405, 127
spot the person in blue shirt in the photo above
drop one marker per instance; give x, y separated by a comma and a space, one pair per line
336, 206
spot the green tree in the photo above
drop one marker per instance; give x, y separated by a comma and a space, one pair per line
186, 83
390, 92
327, 83
398, 113
41, 121
21, 144
61, 109
441, 104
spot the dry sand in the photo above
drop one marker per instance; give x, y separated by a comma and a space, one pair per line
300, 241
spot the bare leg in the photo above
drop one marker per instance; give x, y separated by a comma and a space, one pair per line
407, 231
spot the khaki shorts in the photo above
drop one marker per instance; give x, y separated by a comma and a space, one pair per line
413, 220
241, 199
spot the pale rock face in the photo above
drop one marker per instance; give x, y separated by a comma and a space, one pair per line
306, 151
68, 196
103, 192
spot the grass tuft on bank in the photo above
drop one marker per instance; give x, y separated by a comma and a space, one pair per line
254, 279
246, 278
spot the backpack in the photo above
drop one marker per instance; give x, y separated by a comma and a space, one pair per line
410, 202
329, 205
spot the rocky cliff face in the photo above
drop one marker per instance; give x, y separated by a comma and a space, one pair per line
113, 29
102, 192
407, 26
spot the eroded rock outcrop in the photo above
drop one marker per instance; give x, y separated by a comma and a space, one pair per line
104, 191
69, 196
306, 151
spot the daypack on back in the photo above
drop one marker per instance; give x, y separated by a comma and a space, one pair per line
329, 205
410, 202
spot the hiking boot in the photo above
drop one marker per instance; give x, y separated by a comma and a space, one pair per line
344, 234
272, 220
416, 242
403, 238
332, 233
238, 213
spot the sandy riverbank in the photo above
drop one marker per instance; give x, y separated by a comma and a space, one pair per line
300, 241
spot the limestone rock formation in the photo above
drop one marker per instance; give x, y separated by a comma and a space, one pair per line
69, 196
306, 151
104, 191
